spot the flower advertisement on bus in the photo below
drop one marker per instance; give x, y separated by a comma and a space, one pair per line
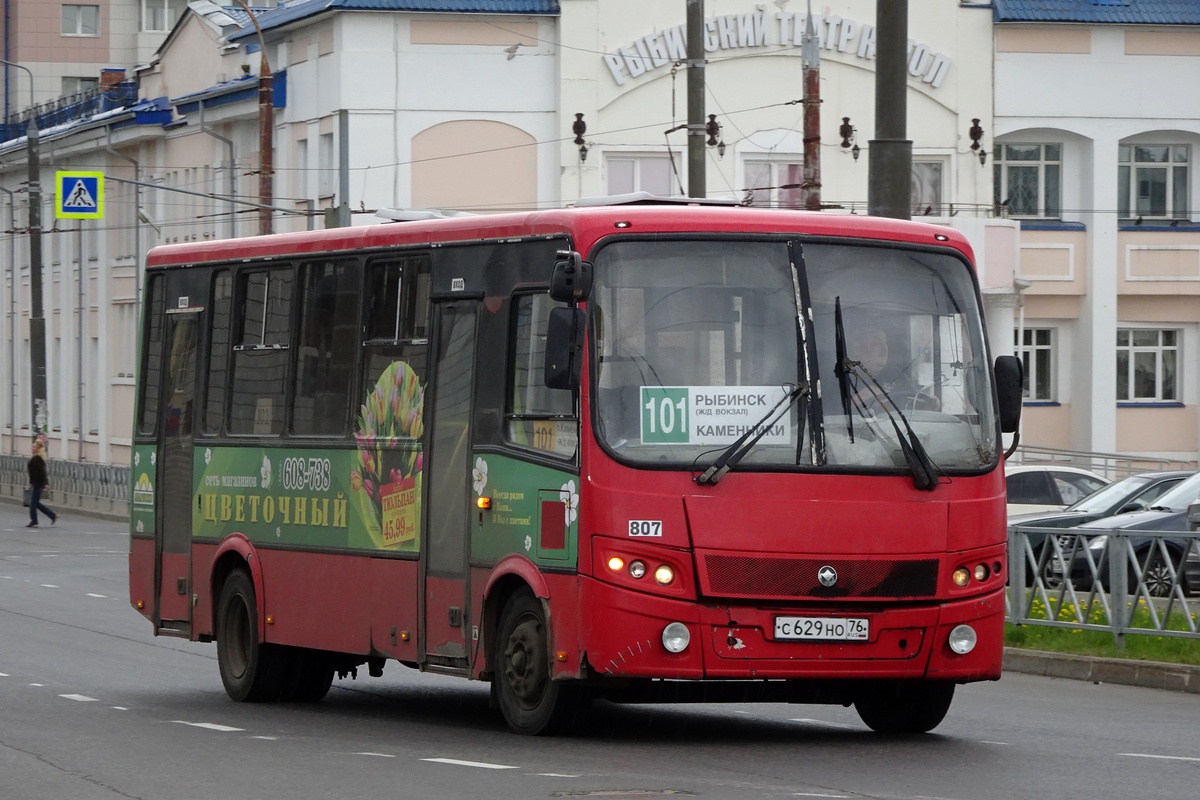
368, 497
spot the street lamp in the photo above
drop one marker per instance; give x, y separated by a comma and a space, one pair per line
37, 323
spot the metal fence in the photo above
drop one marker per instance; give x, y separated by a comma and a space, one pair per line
1110, 465
1123, 582
100, 488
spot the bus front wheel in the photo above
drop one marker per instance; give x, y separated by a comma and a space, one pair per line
904, 706
249, 667
530, 701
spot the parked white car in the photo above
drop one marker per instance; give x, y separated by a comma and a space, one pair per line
1047, 487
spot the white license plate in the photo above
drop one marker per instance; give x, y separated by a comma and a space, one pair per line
851, 629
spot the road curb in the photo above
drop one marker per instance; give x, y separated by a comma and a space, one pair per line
1149, 674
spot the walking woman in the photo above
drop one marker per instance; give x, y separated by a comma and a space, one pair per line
39, 481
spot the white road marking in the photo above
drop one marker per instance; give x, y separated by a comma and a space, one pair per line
985, 741
268, 738
479, 764
83, 698
823, 722
37, 684
212, 726
374, 755
813, 794
91, 594
119, 708
3, 674
1151, 755
556, 775
49, 586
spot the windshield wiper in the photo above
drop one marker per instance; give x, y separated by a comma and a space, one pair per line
734, 453
924, 471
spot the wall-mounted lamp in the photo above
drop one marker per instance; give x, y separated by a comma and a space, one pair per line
721, 149
976, 133
583, 151
579, 128
849, 136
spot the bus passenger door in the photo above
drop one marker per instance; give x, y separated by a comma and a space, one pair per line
173, 535
447, 484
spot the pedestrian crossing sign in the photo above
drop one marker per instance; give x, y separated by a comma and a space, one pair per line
80, 195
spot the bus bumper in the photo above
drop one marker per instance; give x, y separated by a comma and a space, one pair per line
738, 642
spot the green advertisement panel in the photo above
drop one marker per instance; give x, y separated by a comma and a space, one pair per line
534, 510
359, 498
143, 478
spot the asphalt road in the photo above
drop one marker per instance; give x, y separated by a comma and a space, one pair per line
94, 707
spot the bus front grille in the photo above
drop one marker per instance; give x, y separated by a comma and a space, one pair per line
783, 577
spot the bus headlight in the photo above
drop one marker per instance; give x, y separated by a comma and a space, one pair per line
637, 568
664, 575
981, 572
962, 639
961, 577
675, 637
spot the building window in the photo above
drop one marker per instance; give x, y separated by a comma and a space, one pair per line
78, 20
1152, 181
1147, 362
327, 168
72, 86
125, 357
1028, 179
652, 174
1035, 348
927, 183
774, 184
160, 16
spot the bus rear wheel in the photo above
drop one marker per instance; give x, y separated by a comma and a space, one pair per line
904, 706
249, 667
532, 703
309, 676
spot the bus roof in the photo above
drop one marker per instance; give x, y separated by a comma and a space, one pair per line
585, 226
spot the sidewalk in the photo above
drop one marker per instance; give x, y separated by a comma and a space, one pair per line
1148, 674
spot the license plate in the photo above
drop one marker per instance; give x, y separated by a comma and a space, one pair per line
852, 629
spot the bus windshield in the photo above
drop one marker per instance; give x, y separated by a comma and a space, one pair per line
697, 341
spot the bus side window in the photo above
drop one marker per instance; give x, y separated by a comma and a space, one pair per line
151, 383
396, 325
326, 348
261, 352
538, 417
218, 353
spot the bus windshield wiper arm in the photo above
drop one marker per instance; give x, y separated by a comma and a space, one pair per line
924, 471
734, 453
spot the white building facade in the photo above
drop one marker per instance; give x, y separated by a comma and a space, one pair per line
378, 104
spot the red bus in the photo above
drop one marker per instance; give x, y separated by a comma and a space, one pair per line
639, 452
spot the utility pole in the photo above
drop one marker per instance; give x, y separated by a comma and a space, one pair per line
810, 53
37, 322
266, 129
889, 158
695, 97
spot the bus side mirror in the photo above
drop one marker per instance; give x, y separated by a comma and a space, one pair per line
571, 281
1010, 380
564, 348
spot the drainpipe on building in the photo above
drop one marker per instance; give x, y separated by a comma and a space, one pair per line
266, 128
137, 216
12, 319
232, 172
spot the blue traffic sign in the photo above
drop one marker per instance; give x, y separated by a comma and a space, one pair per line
79, 195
